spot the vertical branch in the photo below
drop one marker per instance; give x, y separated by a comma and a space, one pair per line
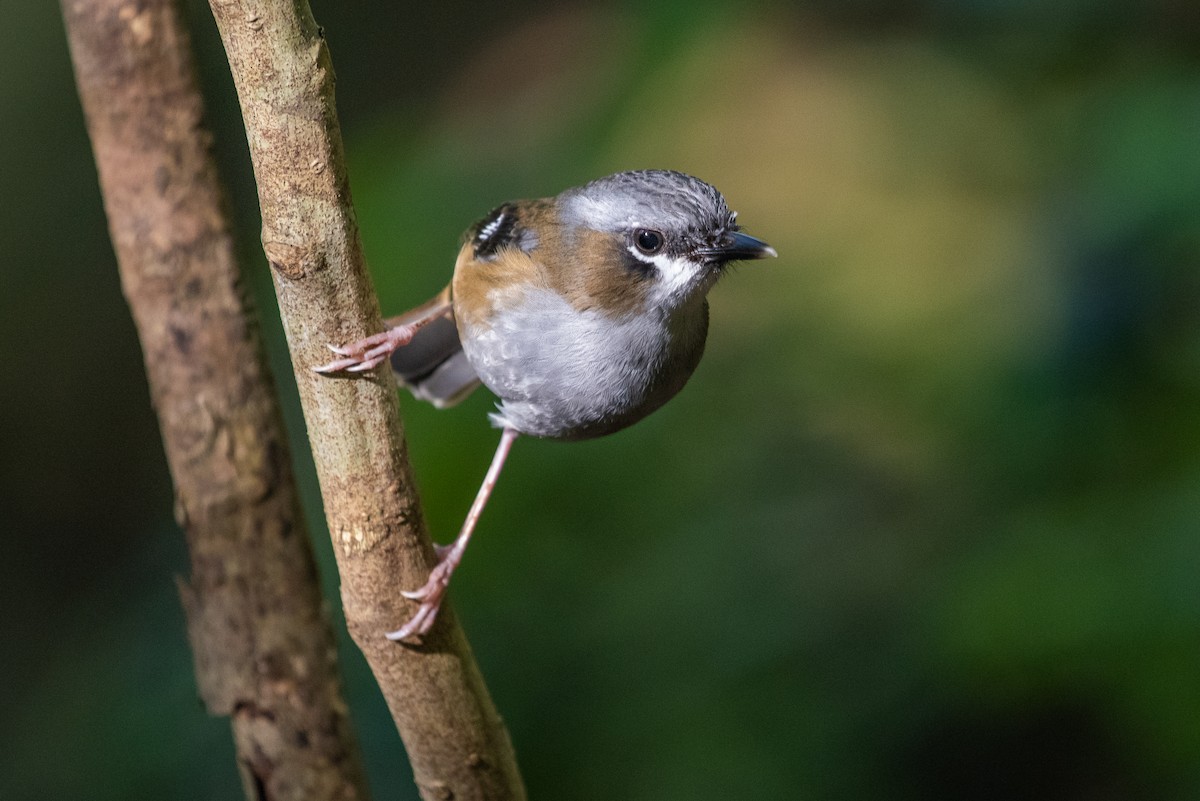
264, 650
456, 741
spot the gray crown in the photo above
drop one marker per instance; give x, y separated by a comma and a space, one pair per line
663, 199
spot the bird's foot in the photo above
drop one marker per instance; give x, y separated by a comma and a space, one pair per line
450, 555
430, 596
369, 352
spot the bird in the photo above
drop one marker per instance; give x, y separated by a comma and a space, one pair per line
582, 313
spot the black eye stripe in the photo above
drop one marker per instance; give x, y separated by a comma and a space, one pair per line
637, 264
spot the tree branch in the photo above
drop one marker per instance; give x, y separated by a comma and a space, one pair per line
263, 648
456, 741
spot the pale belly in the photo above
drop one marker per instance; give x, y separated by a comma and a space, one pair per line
565, 374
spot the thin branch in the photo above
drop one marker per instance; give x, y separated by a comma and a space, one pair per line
263, 648
456, 741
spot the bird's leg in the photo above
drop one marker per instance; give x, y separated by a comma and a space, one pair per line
369, 352
449, 556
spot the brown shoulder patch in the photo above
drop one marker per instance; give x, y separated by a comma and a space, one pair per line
475, 281
590, 269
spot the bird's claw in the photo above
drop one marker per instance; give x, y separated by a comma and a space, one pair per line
369, 352
430, 596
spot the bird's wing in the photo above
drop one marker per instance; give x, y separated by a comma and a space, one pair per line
433, 365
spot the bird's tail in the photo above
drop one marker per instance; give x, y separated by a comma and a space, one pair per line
433, 365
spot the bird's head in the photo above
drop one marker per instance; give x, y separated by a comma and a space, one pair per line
664, 234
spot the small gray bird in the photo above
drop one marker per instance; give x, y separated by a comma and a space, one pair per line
582, 312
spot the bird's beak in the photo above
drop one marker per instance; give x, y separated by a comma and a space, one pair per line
739, 247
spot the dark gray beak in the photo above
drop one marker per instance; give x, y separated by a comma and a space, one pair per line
739, 247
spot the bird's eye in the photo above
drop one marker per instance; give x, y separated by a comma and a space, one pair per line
647, 240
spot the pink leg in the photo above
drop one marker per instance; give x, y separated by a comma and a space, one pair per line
369, 352
449, 557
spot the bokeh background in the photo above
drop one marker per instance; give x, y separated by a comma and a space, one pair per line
924, 525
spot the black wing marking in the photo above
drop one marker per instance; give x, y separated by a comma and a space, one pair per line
497, 230
506, 226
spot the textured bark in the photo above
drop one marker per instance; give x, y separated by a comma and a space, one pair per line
263, 647
456, 742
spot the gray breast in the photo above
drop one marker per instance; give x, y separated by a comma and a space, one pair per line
566, 374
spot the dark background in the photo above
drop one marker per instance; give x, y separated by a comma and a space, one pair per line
924, 524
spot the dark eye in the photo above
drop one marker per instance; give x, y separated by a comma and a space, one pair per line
647, 240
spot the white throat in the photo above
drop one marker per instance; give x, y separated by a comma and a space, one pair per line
676, 279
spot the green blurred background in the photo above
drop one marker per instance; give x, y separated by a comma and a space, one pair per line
925, 523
